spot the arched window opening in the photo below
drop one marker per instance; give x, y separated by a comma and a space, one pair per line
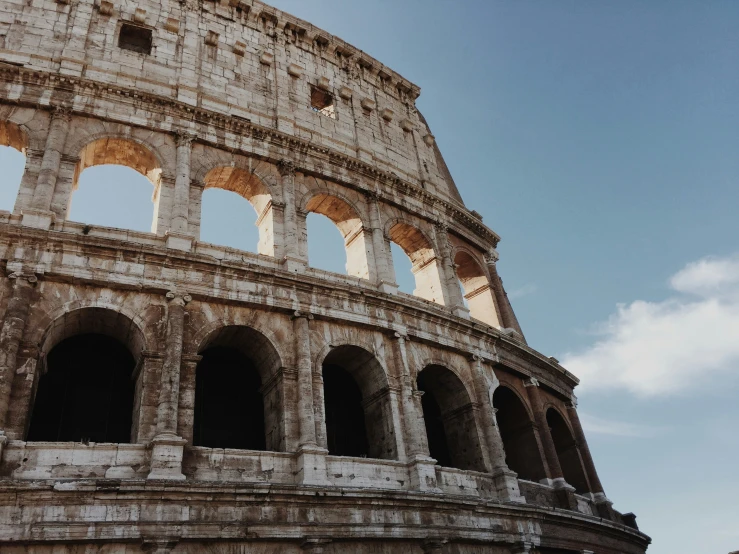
567, 452
252, 188
424, 264
229, 408
229, 220
13, 145
238, 392
325, 245
87, 393
477, 292
403, 267
359, 418
450, 420
350, 226
517, 431
119, 194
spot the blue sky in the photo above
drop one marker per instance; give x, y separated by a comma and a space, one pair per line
599, 140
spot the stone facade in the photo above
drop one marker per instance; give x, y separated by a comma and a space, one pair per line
236, 95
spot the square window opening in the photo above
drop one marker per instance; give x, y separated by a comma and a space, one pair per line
322, 102
135, 39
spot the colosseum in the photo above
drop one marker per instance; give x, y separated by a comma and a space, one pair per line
162, 394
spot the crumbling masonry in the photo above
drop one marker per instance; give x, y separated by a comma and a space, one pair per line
162, 394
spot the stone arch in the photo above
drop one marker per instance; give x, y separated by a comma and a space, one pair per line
239, 396
349, 221
357, 404
517, 431
476, 286
449, 417
16, 137
128, 151
247, 183
567, 450
426, 267
92, 355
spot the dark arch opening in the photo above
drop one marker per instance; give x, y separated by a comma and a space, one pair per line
346, 433
229, 407
567, 452
87, 393
450, 420
517, 431
357, 404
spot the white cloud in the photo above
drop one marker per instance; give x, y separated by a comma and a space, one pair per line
523, 291
598, 426
663, 348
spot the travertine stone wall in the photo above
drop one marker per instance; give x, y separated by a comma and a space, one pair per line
223, 100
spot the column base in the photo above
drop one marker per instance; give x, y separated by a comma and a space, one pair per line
38, 219
423, 474
179, 241
312, 468
167, 451
3, 441
461, 311
565, 494
506, 485
387, 288
604, 506
293, 265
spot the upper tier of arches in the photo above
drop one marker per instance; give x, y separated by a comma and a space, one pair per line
180, 167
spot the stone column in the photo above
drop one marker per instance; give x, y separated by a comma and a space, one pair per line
556, 477
605, 506
177, 236
167, 446
11, 334
507, 317
506, 481
422, 465
311, 457
40, 214
385, 279
294, 260
449, 274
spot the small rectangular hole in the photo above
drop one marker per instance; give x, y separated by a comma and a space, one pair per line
135, 39
322, 102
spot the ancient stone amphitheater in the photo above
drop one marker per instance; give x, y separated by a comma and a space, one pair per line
162, 394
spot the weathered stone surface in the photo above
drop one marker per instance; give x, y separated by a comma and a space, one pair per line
221, 98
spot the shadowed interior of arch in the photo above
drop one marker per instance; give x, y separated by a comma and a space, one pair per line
113, 186
450, 420
517, 432
477, 292
424, 265
567, 452
13, 145
250, 187
87, 393
238, 392
357, 405
348, 222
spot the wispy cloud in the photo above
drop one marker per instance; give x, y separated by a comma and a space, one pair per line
598, 426
523, 291
664, 348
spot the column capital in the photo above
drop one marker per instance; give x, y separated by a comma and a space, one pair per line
441, 227
531, 382
286, 168
184, 138
371, 195
180, 298
491, 257
299, 315
399, 336
62, 113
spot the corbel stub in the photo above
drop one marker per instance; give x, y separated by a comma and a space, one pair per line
106, 8
294, 70
211, 39
139, 16
387, 114
240, 48
324, 83
368, 104
429, 140
406, 125
346, 93
172, 25
265, 58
